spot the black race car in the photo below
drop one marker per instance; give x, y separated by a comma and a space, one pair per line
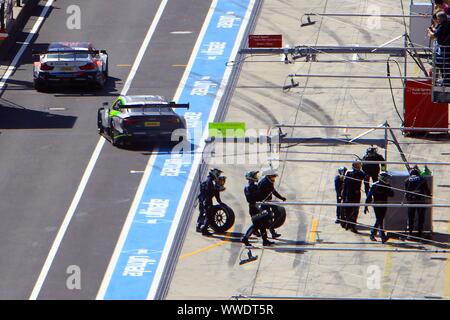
141, 118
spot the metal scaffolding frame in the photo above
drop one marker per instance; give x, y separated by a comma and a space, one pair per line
381, 205
384, 15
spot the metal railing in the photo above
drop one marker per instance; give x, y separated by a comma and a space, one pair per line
441, 73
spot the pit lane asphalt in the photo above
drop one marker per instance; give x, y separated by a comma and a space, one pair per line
43, 153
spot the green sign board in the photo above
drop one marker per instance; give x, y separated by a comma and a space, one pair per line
226, 129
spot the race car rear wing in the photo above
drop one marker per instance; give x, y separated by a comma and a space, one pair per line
36, 53
173, 104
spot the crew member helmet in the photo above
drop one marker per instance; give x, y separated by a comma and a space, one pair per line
215, 173
252, 175
357, 165
384, 177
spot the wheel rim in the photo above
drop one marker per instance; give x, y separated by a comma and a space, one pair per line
220, 218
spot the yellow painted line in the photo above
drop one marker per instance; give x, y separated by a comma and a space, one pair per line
124, 65
416, 71
385, 288
187, 255
447, 274
212, 246
179, 65
313, 232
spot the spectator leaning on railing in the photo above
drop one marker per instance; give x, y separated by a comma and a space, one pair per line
440, 5
441, 33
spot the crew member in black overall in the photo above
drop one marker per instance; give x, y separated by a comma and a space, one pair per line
351, 193
373, 169
260, 221
266, 189
209, 189
417, 192
379, 193
338, 185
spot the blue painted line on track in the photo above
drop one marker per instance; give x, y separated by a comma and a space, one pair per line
141, 254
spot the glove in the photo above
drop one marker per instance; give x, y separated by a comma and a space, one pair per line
283, 199
366, 210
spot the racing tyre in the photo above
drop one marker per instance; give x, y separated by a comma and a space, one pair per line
39, 86
223, 218
279, 214
114, 140
106, 72
99, 123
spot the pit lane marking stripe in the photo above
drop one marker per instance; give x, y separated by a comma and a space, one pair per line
140, 263
313, 232
447, 274
95, 155
37, 25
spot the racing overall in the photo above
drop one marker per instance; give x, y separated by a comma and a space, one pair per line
379, 192
373, 169
417, 193
261, 223
351, 193
338, 186
208, 191
265, 191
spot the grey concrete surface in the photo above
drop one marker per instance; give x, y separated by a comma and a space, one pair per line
44, 153
209, 268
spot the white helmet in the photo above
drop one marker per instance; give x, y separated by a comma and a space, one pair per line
269, 172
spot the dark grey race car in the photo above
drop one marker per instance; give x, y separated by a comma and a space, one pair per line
141, 118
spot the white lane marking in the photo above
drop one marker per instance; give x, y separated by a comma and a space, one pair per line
144, 46
62, 230
66, 221
197, 159
181, 32
56, 109
126, 228
23, 47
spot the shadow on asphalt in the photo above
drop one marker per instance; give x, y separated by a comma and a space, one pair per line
21, 118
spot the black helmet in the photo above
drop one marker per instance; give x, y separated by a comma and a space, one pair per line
342, 170
357, 165
414, 172
215, 173
384, 177
371, 150
252, 176
221, 183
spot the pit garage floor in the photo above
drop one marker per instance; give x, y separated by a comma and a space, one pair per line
209, 268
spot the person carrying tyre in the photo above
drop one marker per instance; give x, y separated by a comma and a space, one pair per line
338, 186
351, 193
373, 169
209, 189
266, 189
379, 193
417, 192
260, 220
251, 193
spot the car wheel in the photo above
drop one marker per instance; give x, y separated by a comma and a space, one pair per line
223, 218
100, 128
106, 72
113, 138
39, 86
